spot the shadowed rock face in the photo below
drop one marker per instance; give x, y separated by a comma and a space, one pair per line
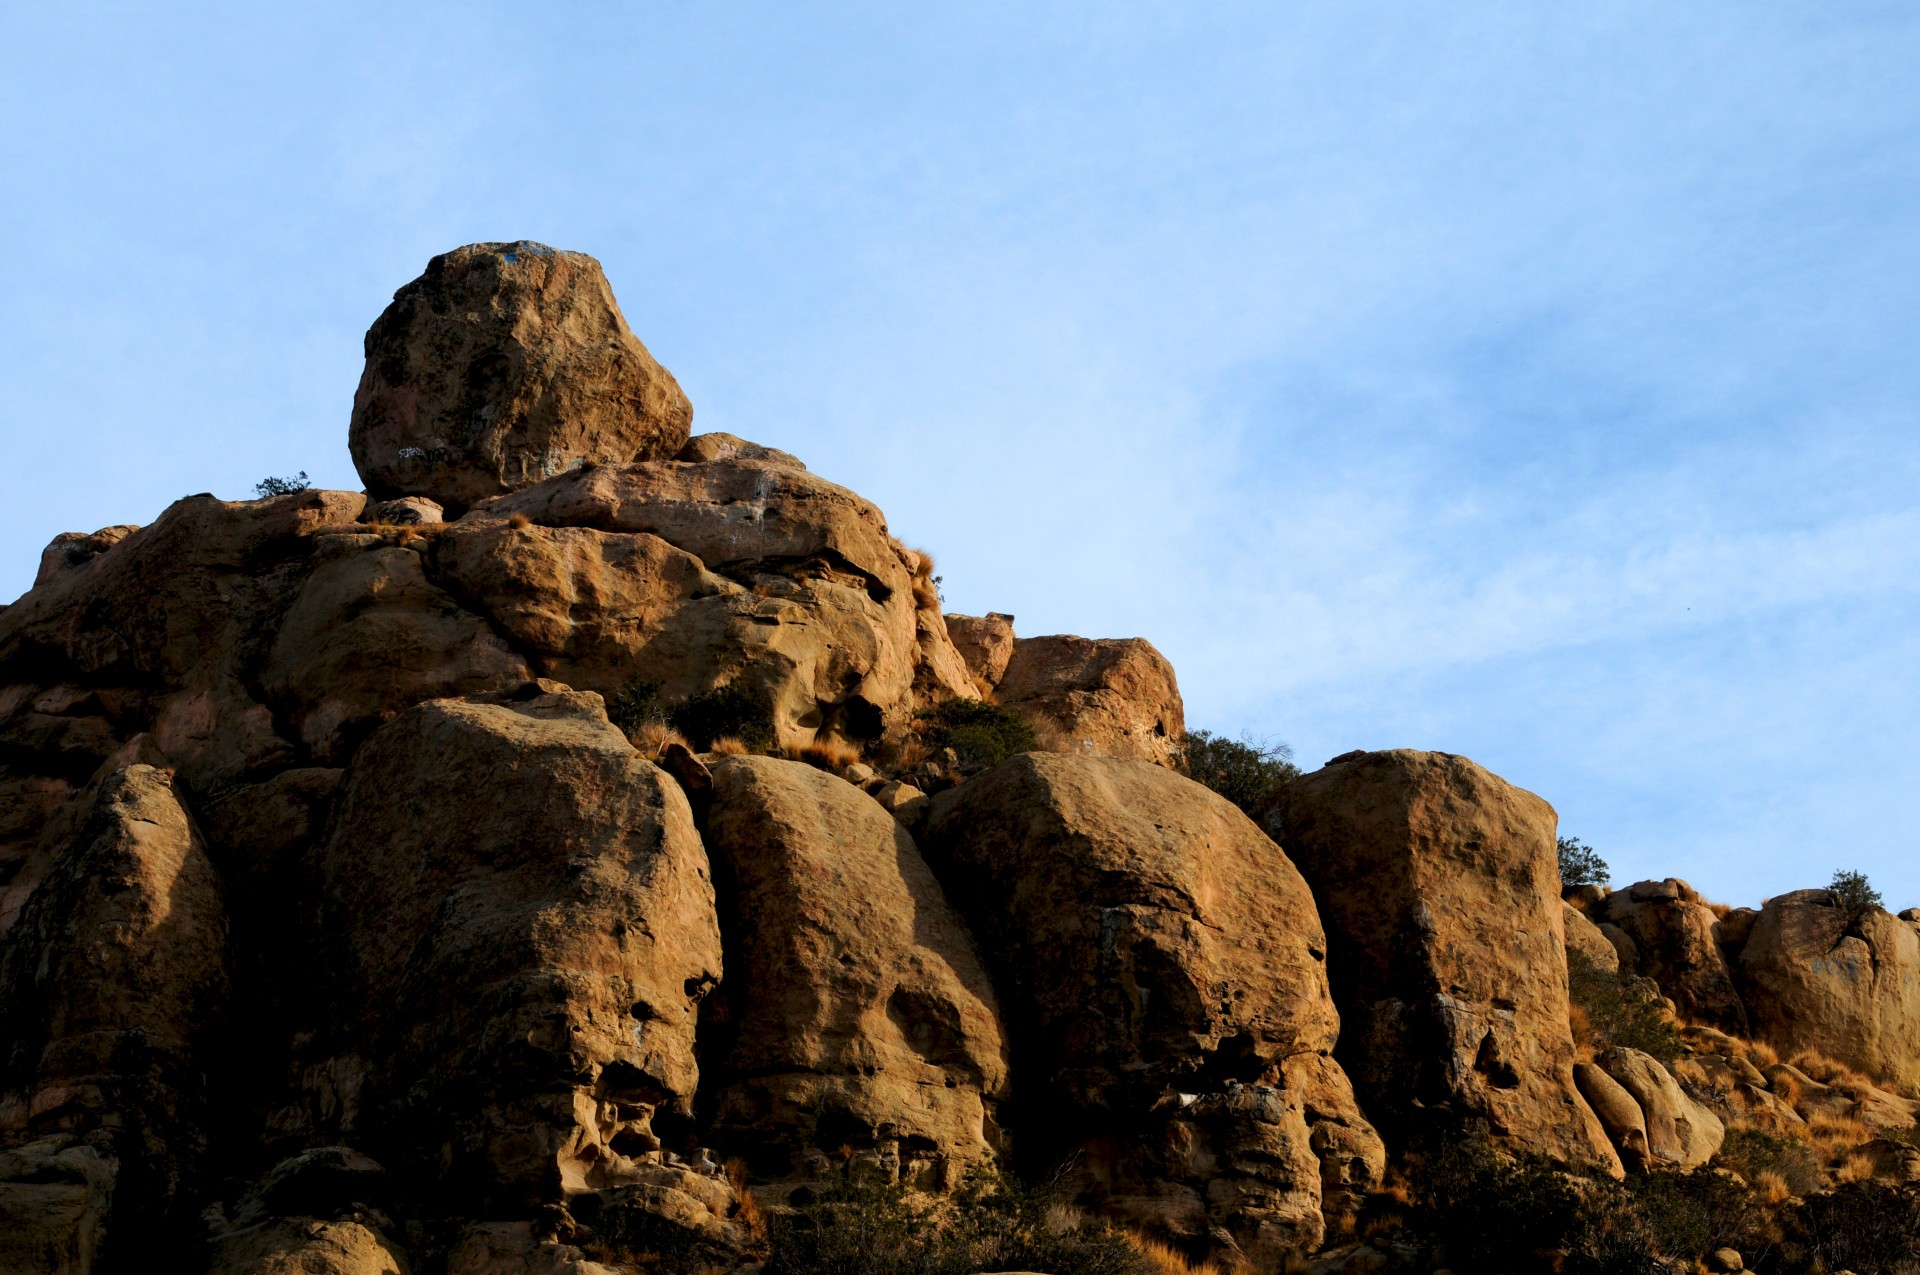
1165, 979
1440, 891
856, 1012
502, 365
1676, 944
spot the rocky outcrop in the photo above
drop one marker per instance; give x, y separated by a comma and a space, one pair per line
856, 1014
1438, 885
56, 1194
1814, 978
516, 921
1585, 939
985, 643
1679, 1132
1675, 941
1103, 697
1164, 978
505, 364
112, 981
692, 575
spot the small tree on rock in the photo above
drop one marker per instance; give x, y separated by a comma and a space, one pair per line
1854, 895
282, 486
1580, 865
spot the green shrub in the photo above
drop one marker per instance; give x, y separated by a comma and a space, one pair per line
282, 486
1580, 865
1854, 895
1247, 773
979, 733
861, 1224
636, 704
1751, 1152
721, 713
1621, 1010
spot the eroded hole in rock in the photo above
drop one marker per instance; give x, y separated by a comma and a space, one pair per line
1498, 1071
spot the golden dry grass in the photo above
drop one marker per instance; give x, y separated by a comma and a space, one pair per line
519, 522
1772, 1186
1165, 1259
650, 739
729, 746
1857, 1167
1582, 1028
748, 1214
832, 755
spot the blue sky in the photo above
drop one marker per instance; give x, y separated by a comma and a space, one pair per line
1531, 382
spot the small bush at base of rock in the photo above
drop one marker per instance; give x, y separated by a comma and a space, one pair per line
635, 705
979, 733
1754, 1152
1620, 1010
1247, 773
861, 1224
726, 712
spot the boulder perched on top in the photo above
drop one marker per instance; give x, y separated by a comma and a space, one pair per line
1439, 888
1817, 978
1675, 937
503, 364
1105, 697
1163, 969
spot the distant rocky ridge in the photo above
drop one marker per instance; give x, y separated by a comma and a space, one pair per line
342, 929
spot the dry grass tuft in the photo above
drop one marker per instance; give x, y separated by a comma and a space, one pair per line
1772, 1186
1835, 1135
650, 739
519, 522
831, 755
1760, 1053
729, 746
1857, 1167
747, 1213
1164, 1259
1582, 1028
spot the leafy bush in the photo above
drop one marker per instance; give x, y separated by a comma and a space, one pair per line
1621, 1010
635, 705
282, 486
725, 711
1752, 1152
1247, 773
1868, 1227
862, 1224
1854, 895
1488, 1212
1580, 865
979, 733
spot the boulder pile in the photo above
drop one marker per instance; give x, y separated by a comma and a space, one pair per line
544, 861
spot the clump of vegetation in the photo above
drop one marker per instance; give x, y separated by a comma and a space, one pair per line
282, 486
1862, 1226
726, 712
1614, 1008
1854, 895
1249, 773
979, 733
1580, 864
1756, 1155
861, 1224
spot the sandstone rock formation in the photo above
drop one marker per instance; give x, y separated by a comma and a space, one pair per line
1165, 984
519, 917
504, 364
1584, 937
856, 1013
985, 643
1109, 697
1675, 940
1851, 991
1679, 1132
1439, 889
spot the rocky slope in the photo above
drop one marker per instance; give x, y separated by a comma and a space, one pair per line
361, 912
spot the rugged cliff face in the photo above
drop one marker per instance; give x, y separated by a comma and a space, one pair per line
361, 909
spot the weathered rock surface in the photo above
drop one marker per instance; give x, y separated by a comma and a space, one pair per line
1680, 1133
734, 572
1585, 938
502, 365
856, 1013
985, 643
1163, 974
518, 922
1619, 1113
111, 983
56, 1195
1104, 697
1675, 937
1812, 981
1439, 887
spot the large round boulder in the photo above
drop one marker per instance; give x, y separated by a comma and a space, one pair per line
503, 364
1164, 977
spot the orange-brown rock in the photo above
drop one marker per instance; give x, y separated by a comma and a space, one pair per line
1439, 888
985, 643
1104, 697
517, 921
735, 572
1680, 1133
1163, 975
1675, 938
1814, 981
1585, 939
502, 365
856, 1013
112, 980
